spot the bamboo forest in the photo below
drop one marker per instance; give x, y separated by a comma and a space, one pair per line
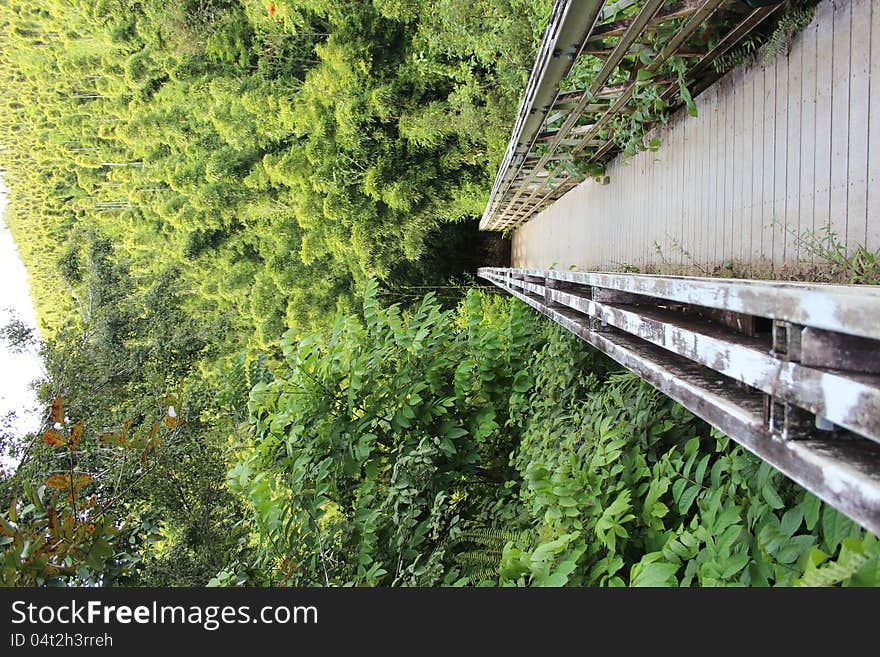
251, 233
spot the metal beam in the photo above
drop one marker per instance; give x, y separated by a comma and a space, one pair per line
641, 20
697, 18
521, 178
844, 400
772, 391
849, 309
571, 22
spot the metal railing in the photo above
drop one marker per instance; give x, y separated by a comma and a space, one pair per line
791, 371
545, 159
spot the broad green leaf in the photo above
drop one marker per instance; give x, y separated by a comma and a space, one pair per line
659, 510
728, 538
701, 469
678, 488
771, 496
687, 498
788, 553
734, 564
522, 382
654, 574
728, 516
402, 420
371, 468
791, 521
811, 506
835, 528
553, 513
447, 447
555, 580
816, 558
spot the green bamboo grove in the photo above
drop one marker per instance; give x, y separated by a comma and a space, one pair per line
280, 160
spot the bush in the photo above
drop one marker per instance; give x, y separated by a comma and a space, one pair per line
487, 446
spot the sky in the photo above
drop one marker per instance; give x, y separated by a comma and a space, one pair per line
17, 370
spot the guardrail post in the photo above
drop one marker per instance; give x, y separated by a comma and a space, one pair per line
786, 420
786, 341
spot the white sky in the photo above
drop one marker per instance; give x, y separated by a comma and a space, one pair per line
17, 371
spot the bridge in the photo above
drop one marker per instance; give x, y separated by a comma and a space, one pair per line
777, 170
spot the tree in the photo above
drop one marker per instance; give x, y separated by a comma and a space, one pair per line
141, 435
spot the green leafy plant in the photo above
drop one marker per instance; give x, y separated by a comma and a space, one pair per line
797, 16
857, 265
450, 448
645, 496
742, 54
377, 441
649, 107
65, 529
483, 551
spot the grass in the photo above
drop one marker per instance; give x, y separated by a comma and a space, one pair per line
826, 260
858, 266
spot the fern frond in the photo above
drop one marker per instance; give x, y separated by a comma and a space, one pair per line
835, 572
491, 538
481, 576
789, 24
477, 558
831, 574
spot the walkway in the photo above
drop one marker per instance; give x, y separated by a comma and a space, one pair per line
776, 153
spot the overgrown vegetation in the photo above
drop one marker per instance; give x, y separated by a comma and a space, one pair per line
652, 82
442, 448
857, 265
794, 16
188, 181
277, 160
824, 258
132, 427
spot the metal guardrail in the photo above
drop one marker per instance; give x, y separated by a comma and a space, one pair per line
570, 24
531, 178
791, 371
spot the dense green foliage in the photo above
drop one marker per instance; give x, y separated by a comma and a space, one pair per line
379, 441
623, 486
191, 181
186, 182
157, 514
484, 447
277, 160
